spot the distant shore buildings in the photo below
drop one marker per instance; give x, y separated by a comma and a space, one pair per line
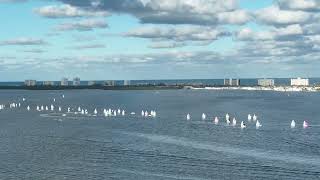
30, 82
91, 83
48, 83
64, 82
126, 82
109, 83
265, 82
299, 82
232, 82
76, 81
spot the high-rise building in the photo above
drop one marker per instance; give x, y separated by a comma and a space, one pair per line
266, 82
64, 82
76, 81
30, 82
231, 82
299, 82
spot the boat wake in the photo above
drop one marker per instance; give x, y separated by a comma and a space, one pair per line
254, 153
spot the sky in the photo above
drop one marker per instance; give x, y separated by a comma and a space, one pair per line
158, 39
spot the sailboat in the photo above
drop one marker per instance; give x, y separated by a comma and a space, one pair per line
188, 117
293, 124
242, 125
258, 124
254, 118
216, 120
203, 116
234, 122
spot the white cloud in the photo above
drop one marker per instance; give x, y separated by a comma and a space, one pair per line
89, 46
198, 12
182, 33
83, 25
23, 41
305, 5
273, 15
67, 11
246, 34
234, 17
166, 45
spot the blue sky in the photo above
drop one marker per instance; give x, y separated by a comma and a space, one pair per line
158, 39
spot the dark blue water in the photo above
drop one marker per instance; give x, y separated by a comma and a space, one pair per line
46, 145
243, 82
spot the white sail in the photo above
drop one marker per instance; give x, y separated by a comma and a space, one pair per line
254, 117
188, 117
293, 124
242, 125
216, 120
258, 124
203, 116
234, 122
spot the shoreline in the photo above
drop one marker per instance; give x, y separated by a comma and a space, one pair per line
132, 87
260, 88
168, 87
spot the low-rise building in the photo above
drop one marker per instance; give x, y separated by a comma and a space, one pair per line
30, 82
91, 83
266, 82
232, 82
299, 82
109, 83
48, 83
76, 81
64, 82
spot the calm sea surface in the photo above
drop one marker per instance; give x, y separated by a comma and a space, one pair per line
46, 145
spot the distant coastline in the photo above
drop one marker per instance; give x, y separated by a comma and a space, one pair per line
97, 87
260, 88
167, 87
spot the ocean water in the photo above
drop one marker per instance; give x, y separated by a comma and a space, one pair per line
47, 145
